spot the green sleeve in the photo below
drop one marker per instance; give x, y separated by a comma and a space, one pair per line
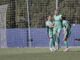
47, 24
60, 16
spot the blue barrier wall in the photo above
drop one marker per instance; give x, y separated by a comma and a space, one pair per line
18, 37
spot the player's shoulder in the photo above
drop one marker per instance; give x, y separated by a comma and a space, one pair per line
60, 15
65, 21
47, 21
54, 15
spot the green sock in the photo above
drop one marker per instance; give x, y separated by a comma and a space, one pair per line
66, 44
54, 38
50, 43
58, 39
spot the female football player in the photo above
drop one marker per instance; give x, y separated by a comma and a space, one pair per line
67, 32
57, 30
49, 25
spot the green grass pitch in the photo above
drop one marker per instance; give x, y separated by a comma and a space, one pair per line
38, 54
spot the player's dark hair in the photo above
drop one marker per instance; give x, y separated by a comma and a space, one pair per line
63, 18
45, 18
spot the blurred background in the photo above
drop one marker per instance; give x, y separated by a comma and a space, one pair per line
16, 26
17, 12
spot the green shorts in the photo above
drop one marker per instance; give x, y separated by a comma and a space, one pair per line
50, 33
67, 34
57, 29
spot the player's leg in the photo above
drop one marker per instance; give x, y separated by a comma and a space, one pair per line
69, 33
54, 38
58, 40
66, 35
58, 37
51, 40
50, 43
65, 42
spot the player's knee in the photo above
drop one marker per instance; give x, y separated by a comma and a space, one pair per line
54, 33
65, 39
58, 34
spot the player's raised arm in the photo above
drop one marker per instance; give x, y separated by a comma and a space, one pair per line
57, 30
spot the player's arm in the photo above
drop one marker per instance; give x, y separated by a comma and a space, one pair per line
51, 26
69, 24
54, 25
61, 18
66, 27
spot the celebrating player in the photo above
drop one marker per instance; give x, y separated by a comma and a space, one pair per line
56, 31
50, 26
67, 32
